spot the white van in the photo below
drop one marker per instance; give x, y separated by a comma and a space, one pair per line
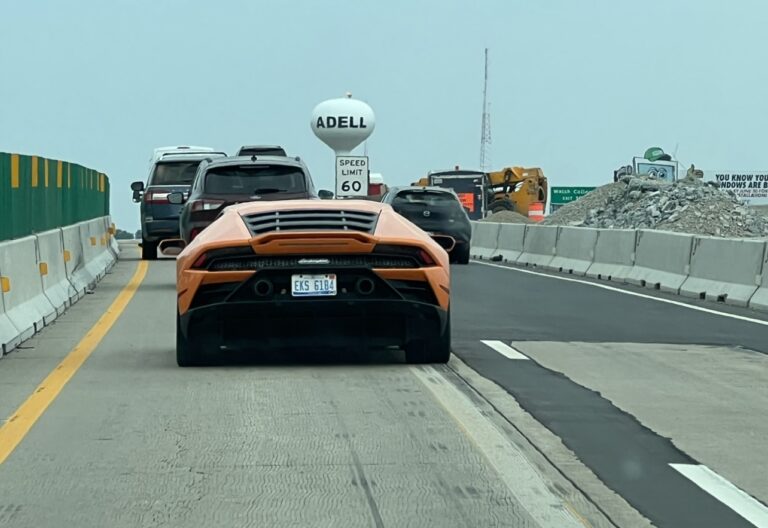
181, 150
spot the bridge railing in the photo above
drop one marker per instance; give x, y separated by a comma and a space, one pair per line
39, 194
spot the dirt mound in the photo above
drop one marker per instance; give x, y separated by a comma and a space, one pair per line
686, 206
507, 217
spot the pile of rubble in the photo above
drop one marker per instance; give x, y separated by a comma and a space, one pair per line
641, 202
507, 217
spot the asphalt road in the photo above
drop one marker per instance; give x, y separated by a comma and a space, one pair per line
632, 385
133, 440
578, 429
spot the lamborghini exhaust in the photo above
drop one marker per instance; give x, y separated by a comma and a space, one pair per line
445, 241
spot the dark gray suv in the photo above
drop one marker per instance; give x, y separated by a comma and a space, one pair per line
172, 172
223, 182
438, 211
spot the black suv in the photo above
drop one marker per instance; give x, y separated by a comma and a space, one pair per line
172, 172
228, 181
438, 211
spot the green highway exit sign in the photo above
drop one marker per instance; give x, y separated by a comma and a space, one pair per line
564, 195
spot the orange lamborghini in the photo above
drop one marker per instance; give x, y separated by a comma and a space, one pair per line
312, 274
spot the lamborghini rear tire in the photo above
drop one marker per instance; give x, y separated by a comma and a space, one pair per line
435, 350
187, 354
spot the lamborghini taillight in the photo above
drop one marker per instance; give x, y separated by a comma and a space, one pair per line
420, 255
204, 260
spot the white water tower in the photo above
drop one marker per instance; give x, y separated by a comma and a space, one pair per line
343, 124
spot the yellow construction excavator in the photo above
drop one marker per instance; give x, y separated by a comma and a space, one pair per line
484, 193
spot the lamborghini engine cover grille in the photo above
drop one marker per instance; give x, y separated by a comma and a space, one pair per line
310, 220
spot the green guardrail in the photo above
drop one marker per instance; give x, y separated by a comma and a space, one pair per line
38, 194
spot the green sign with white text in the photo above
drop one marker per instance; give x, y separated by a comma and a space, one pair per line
564, 195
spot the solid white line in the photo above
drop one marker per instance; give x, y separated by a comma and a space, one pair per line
516, 471
721, 489
505, 350
634, 294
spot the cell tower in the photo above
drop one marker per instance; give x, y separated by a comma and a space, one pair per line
485, 133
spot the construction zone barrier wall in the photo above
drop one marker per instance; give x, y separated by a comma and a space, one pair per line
614, 254
485, 238
574, 250
729, 270
511, 240
759, 300
662, 260
23, 299
50, 263
538, 246
74, 262
43, 274
724, 270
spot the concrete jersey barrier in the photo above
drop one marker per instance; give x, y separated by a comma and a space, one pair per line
114, 247
759, 300
10, 337
614, 255
74, 262
575, 250
662, 260
485, 239
511, 240
98, 259
26, 305
41, 275
539, 246
724, 269
53, 274
734, 271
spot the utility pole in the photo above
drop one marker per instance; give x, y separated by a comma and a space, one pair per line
485, 133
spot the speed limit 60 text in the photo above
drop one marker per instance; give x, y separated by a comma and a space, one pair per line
351, 176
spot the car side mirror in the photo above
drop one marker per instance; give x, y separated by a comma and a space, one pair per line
176, 198
325, 194
136, 196
137, 186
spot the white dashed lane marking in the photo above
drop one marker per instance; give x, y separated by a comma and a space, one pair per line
505, 350
722, 489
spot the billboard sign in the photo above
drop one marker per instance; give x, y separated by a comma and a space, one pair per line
749, 186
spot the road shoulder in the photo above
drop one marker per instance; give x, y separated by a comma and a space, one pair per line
23, 369
598, 504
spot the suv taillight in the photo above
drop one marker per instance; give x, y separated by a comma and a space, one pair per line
205, 205
156, 197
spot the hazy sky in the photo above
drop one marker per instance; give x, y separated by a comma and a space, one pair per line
577, 87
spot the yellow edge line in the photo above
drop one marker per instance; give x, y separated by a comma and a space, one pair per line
20, 423
571, 508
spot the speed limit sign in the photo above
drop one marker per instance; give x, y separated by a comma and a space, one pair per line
351, 176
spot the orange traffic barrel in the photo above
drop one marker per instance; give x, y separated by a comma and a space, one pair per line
536, 211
